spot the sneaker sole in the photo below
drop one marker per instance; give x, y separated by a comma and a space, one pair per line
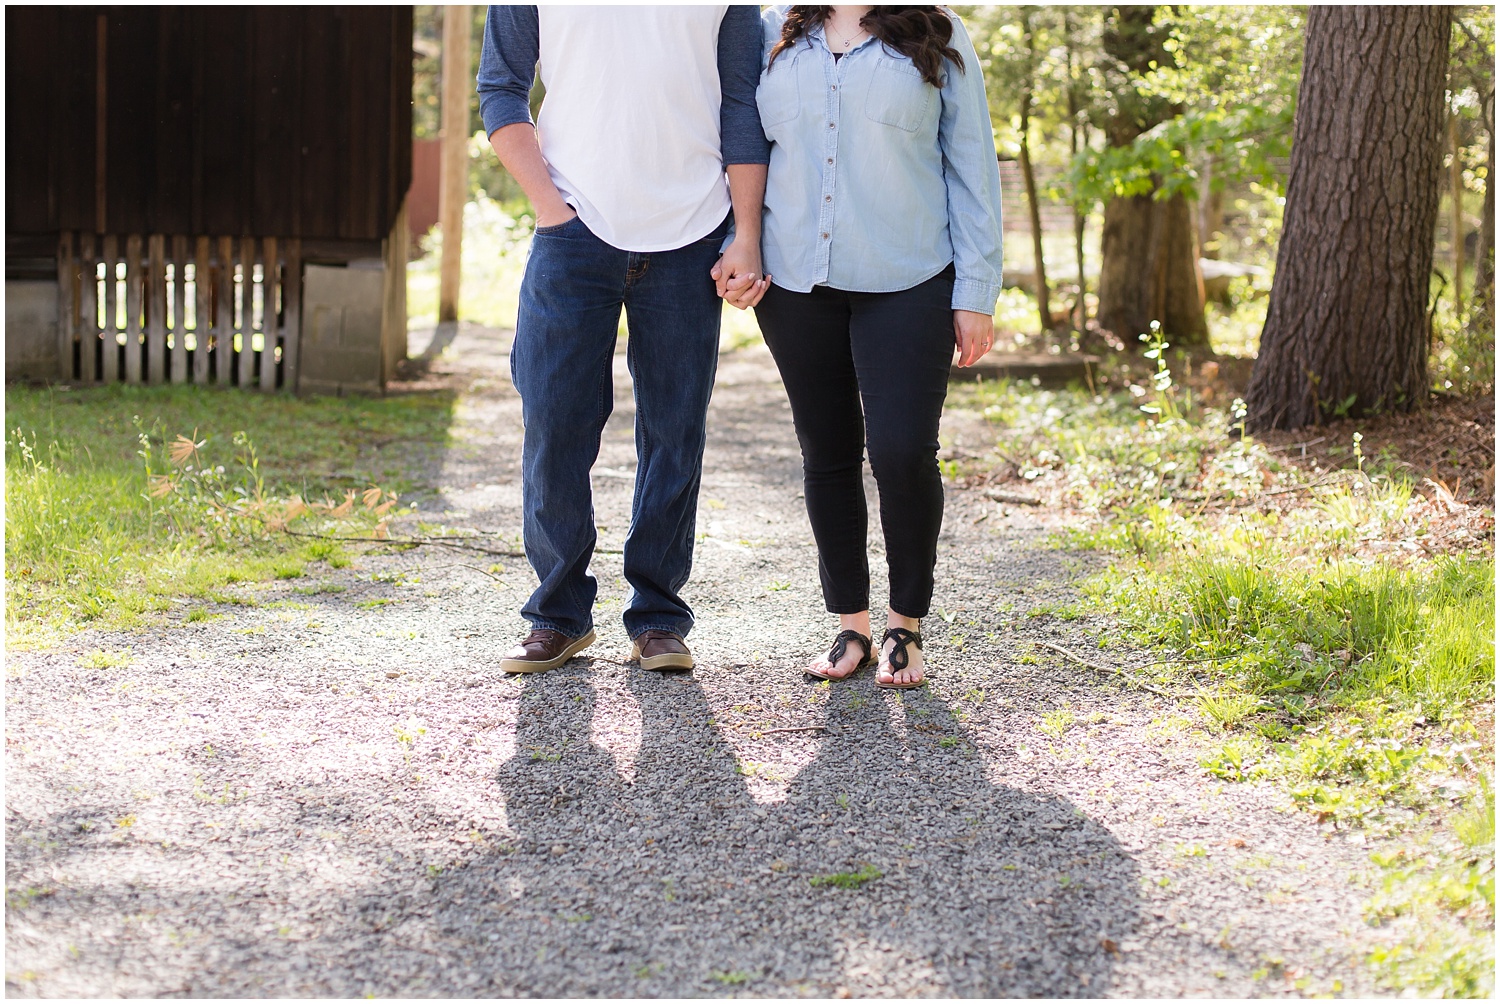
671, 660
532, 666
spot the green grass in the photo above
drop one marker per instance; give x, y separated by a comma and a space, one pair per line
1315, 638
1290, 626
847, 880
84, 541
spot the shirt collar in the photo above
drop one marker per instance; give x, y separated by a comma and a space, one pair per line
816, 31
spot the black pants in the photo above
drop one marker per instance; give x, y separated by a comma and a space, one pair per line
868, 369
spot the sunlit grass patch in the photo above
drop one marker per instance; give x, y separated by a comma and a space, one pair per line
1350, 630
87, 542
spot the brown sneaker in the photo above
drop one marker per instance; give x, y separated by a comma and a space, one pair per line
543, 650
661, 650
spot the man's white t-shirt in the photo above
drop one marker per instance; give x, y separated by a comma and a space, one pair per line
599, 143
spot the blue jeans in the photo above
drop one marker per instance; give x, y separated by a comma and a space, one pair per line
571, 296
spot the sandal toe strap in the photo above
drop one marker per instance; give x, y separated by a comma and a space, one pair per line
841, 645
900, 658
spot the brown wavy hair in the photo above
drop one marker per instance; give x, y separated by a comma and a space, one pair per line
920, 32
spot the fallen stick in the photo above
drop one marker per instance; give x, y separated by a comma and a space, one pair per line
1110, 670
1010, 497
407, 542
459, 564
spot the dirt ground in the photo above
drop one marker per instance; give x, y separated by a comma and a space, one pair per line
334, 791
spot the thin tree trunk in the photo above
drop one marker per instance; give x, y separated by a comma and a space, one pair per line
1080, 305
1456, 183
1482, 306
1043, 297
1079, 220
1347, 326
1210, 213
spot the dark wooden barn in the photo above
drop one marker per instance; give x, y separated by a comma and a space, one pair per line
209, 194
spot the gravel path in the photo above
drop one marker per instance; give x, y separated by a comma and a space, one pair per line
336, 793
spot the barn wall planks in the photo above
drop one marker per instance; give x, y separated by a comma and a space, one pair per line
289, 122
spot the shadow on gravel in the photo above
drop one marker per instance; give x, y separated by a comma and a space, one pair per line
680, 884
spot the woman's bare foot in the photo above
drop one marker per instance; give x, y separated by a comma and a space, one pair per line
854, 654
912, 673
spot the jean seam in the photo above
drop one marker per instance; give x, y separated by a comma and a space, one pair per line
548, 625
668, 628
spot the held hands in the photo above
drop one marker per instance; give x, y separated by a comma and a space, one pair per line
737, 275
974, 333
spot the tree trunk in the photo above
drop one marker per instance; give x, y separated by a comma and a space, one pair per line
1150, 272
1043, 298
1149, 262
1456, 184
1347, 326
1080, 306
1482, 303
1079, 221
1210, 214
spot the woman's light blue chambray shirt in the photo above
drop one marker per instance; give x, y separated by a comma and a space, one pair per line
878, 180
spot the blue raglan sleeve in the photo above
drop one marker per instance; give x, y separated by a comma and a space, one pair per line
507, 65
740, 135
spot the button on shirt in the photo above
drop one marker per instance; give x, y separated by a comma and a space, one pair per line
878, 180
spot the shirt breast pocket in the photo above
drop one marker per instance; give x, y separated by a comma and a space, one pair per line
777, 97
898, 96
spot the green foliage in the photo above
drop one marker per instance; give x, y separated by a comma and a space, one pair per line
1233, 73
1449, 893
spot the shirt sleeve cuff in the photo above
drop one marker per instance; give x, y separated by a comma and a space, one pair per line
501, 110
971, 294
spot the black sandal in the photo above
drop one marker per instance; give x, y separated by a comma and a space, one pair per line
840, 646
900, 658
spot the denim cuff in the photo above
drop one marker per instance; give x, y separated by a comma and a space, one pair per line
543, 625
669, 628
971, 294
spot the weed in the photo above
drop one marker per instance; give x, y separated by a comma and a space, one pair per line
407, 735
288, 568
1055, 723
100, 659
732, 978
1227, 710
329, 551
20, 899
847, 880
